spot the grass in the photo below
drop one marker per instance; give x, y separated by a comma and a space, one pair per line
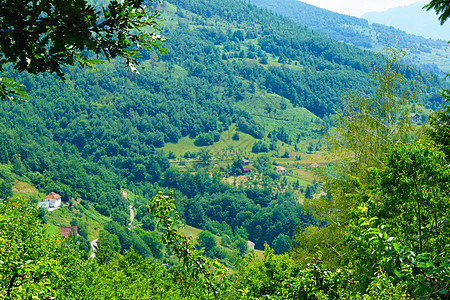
52, 229
64, 215
194, 232
26, 190
224, 148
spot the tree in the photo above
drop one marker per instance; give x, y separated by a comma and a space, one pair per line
412, 198
29, 255
401, 227
260, 146
366, 129
236, 166
205, 156
44, 36
441, 7
111, 241
207, 240
204, 139
368, 126
281, 244
5, 189
148, 223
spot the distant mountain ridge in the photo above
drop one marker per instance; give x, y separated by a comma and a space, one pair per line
429, 54
412, 19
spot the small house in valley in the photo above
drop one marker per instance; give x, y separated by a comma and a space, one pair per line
415, 118
246, 162
246, 170
251, 245
51, 202
280, 170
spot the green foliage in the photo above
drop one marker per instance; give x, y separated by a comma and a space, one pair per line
153, 241
260, 146
109, 241
30, 257
204, 139
251, 127
281, 244
41, 43
366, 129
412, 198
207, 241
5, 189
385, 266
148, 223
438, 129
201, 269
283, 278
368, 126
236, 166
442, 8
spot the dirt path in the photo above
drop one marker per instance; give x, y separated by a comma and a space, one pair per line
93, 245
131, 217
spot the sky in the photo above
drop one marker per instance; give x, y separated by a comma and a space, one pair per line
357, 8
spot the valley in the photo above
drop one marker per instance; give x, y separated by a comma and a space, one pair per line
256, 155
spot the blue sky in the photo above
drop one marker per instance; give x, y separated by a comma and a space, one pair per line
358, 7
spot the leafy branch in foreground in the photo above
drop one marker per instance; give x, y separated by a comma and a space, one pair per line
44, 36
206, 272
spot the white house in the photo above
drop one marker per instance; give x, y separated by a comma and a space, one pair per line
415, 118
251, 245
51, 202
280, 170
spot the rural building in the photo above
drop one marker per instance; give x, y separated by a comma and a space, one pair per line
246, 170
280, 170
65, 231
246, 162
251, 245
51, 202
415, 118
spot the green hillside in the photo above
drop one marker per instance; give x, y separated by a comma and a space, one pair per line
269, 81
428, 54
253, 131
259, 86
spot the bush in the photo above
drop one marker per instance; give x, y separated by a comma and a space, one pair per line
102, 209
259, 147
204, 139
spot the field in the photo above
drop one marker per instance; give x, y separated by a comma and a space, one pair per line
94, 220
194, 232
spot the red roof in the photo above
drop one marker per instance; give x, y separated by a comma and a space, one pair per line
246, 169
64, 231
245, 160
52, 196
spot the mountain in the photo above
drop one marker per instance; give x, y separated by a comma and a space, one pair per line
232, 68
412, 19
426, 53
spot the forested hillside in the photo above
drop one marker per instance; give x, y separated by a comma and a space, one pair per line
99, 131
426, 53
224, 133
